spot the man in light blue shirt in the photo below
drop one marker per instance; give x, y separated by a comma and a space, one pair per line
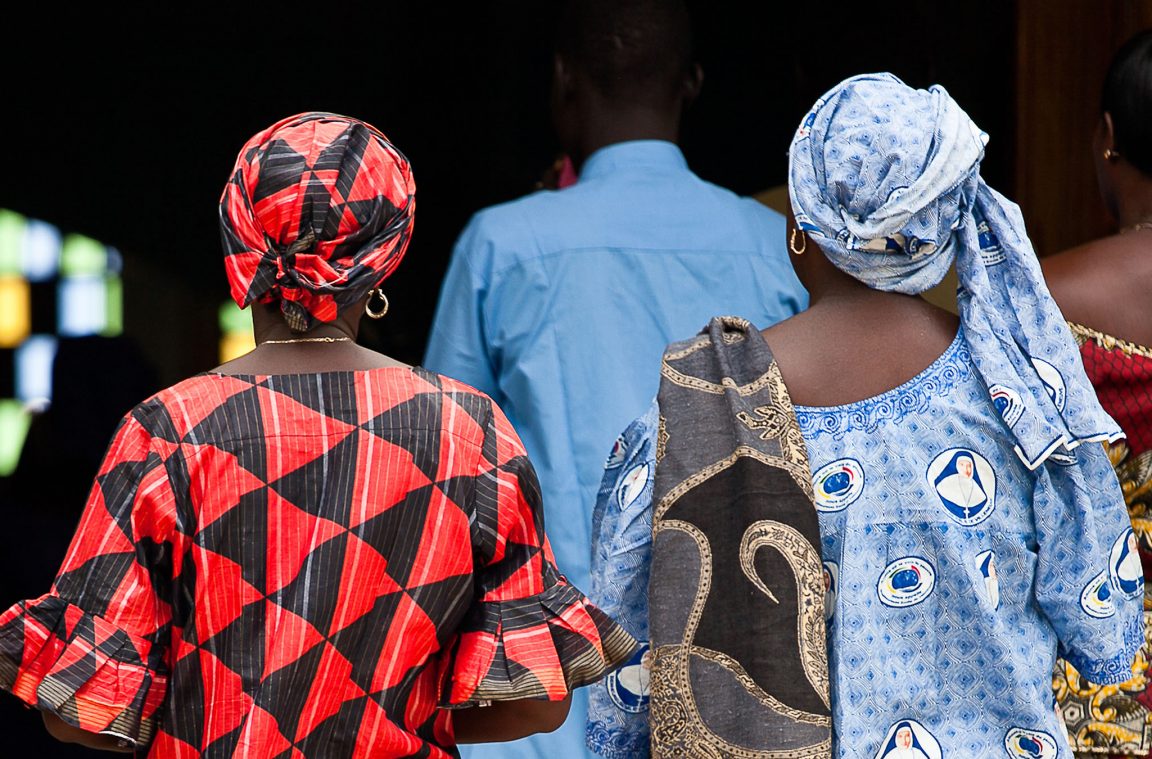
559, 305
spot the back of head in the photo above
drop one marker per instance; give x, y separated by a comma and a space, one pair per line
883, 176
317, 212
628, 50
1127, 97
886, 180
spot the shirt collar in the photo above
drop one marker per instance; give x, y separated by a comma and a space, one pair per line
651, 155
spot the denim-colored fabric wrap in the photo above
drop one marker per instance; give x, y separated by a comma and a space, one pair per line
317, 212
886, 180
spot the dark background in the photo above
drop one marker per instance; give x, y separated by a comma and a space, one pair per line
132, 140
127, 134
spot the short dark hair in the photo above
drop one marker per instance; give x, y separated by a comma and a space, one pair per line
1128, 98
634, 49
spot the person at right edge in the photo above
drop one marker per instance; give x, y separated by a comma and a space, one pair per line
873, 526
1103, 290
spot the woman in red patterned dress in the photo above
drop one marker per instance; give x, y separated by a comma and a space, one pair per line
1103, 288
313, 550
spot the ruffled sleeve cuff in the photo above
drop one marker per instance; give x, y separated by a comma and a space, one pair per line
541, 647
56, 657
1114, 670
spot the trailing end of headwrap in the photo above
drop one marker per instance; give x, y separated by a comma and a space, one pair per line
317, 212
886, 179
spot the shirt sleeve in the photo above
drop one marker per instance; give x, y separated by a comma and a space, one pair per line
94, 649
621, 563
529, 633
1089, 581
458, 344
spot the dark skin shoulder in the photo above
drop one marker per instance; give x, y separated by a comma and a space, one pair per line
1105, 284
846, 350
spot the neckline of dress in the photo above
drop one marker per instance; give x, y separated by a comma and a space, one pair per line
327, 373
904, 387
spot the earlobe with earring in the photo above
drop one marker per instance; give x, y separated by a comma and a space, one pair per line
1110, 154
803, 246
378, 313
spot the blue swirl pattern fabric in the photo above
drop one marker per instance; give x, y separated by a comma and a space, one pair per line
886, 179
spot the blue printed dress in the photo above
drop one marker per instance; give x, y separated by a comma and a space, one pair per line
955, 574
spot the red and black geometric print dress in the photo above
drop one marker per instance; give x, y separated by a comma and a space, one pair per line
306, 565
1116, 720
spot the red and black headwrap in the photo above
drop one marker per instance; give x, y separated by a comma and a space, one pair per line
318, 211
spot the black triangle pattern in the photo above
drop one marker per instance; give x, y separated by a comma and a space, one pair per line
236, 533
240, 412
322, 478
391, 532
313, 595
325, 485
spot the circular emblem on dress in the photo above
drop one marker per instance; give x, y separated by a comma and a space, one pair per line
906, 582
1096, 598
628, 686
965, 484
1031, 744
986, 565
1124, 565
838, 484
831, 587
1053, 382
633, 485
908, 739
1007, 402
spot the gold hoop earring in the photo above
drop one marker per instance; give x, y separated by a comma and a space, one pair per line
1110, 154
792, 242
376, 293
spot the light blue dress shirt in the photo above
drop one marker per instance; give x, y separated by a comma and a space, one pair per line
955, 575
559, 305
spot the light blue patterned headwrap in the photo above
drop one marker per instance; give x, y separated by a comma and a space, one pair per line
886, 180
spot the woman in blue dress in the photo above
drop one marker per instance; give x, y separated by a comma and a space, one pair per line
967, 512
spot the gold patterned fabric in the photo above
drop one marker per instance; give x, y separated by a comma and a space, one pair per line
736, 596
1116, 720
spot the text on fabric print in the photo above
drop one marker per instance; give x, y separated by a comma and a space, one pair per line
906, 582
986, 565
838, 484
1031, 744
1053, 382
1007, 402
1063, 457
831, 587
1124, 565
908, 739
1096, 598
628, 686
633, 486
965, 484
618, 453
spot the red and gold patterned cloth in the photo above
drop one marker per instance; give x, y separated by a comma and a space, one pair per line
306, 566
1116, 720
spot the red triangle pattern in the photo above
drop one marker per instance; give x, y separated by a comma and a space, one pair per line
292, 534
243, 543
